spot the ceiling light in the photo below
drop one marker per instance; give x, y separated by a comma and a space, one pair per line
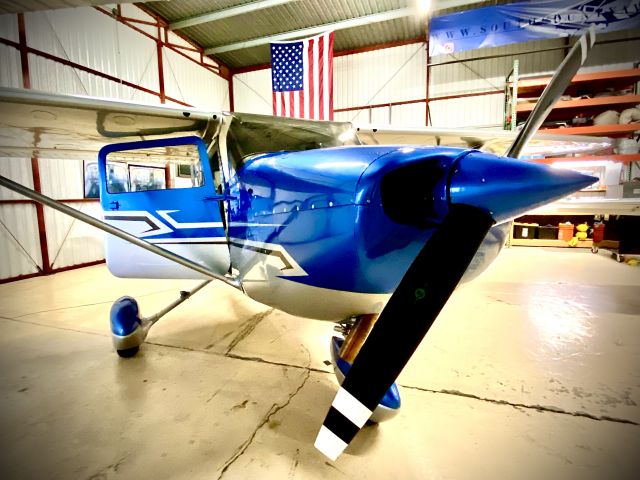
424, 6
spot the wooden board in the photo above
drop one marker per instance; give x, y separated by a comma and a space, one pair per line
522, 242
615, 130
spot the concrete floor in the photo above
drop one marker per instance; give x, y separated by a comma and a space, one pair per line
531, 371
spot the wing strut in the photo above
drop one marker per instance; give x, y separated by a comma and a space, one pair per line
83, 217
554, 90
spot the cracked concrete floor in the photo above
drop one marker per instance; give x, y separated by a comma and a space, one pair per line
531, 371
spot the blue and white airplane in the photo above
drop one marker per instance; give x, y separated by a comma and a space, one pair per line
301, 216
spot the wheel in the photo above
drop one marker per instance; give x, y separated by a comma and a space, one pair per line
594, 249
619, 258
128, 352
390, 403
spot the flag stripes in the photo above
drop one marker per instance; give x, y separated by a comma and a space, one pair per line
302, 78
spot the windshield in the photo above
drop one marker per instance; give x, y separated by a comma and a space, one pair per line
251, 134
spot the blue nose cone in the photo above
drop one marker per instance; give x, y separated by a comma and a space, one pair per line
508, 188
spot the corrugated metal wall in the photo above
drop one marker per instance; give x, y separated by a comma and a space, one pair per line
19, 239
252, 92
92, 39
194, 86
398, 74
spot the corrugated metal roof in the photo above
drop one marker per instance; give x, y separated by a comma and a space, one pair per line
283, 18
359, 37
173, 11
287, 17
291, 16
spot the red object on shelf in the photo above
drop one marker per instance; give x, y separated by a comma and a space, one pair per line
565, 231
598, 232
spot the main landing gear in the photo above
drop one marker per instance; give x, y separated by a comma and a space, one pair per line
343, 353
129, 330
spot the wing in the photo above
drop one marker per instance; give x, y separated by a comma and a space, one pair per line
493, 141
38, 124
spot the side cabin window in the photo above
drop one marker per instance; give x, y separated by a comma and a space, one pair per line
176, 167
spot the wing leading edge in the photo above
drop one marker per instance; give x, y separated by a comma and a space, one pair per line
492, 141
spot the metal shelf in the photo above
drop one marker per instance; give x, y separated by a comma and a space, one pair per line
614, 130
612, 78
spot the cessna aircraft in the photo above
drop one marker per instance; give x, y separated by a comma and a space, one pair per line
302, 216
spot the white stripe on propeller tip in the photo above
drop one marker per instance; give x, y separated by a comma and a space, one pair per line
329, 443
351, 407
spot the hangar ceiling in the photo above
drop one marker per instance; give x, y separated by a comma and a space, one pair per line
238, 32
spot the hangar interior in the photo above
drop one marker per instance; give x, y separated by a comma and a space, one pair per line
530, 371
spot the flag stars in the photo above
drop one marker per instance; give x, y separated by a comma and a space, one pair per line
287, 66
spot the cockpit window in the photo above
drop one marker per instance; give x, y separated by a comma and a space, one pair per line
252, 134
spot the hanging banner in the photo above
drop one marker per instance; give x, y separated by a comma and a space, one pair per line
534, 20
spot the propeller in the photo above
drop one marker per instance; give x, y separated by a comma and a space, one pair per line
435, 272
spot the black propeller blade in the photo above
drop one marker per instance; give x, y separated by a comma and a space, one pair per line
403, 323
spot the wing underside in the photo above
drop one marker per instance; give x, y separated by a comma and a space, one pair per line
37, 124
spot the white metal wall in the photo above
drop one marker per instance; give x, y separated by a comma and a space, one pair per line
90, 38
377, 77
196, 86
398, 74
483, 75
19, 239
252, 92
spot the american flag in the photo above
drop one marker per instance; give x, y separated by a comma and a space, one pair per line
302, 78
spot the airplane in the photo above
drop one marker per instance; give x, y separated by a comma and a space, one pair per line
302, 216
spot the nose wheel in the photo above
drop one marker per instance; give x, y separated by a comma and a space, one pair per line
129, 329
344, 351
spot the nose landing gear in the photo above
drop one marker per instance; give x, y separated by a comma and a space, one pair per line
343, 353
129, 330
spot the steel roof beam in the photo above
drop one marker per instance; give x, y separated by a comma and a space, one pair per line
305, 32
340, 25
226, 13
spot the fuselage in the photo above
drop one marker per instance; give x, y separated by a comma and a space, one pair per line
311, 221
313, 234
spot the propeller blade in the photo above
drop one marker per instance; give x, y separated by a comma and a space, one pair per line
403, 323
556, 87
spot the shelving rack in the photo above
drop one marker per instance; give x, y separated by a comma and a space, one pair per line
517, 108
522, 93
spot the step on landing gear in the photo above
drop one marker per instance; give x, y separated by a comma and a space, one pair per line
343, 353
129, 330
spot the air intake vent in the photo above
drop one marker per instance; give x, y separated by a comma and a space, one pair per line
410, 194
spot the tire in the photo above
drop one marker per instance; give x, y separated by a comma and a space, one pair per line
128, 352
594, 249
